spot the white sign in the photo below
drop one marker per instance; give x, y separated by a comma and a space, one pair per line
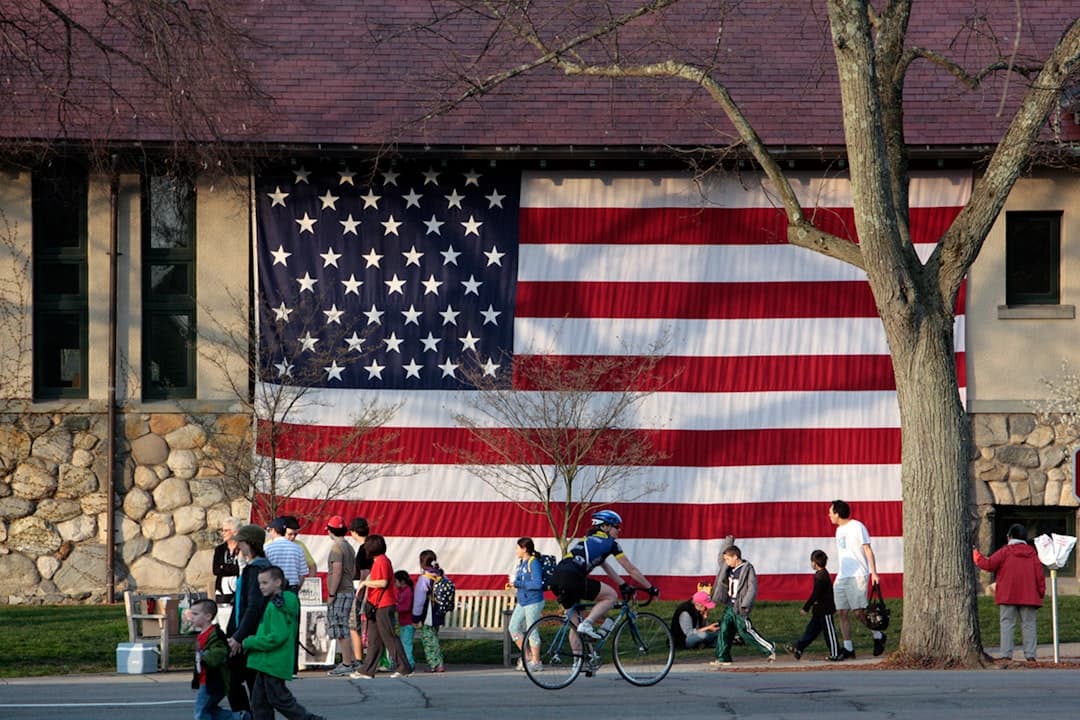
1054, 549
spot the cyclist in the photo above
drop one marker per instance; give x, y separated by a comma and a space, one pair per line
570, 581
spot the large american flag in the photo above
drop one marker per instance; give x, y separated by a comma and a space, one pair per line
413, 278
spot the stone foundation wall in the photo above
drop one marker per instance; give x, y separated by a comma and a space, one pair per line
1019, 461
170, 499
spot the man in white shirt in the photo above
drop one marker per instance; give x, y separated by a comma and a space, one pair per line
856, 565
286, 554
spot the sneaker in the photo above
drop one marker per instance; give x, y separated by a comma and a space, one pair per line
834, 658
521, 665
357, 675
795, 652
720, 663
585, 628
400, 674
879, 644
536, 666
439, 669
340, 670
847, 654
772, 657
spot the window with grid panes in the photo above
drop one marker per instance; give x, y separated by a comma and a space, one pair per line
60, 315
168, 339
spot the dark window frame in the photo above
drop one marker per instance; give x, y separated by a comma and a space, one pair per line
1022, 256
57, 192
162, 304
1037, 520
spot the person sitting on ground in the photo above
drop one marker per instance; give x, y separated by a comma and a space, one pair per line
689, 628
570, 582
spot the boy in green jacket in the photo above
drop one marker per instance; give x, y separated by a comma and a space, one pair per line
271, 651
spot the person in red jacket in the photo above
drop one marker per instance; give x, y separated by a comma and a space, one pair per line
1020, 585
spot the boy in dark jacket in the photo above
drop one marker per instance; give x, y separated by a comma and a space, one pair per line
211, 675
822, 608
272, 649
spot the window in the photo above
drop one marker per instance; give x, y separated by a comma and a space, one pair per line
168, 339
1037, 521
1032, 258
60, 317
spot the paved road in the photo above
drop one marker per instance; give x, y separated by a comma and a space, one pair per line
755, 690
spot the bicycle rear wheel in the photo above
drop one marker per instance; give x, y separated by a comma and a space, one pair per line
559, 664
643, 649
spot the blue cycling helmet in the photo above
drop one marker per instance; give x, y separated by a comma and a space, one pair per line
606, 517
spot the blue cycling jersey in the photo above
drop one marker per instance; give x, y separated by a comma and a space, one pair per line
593, 549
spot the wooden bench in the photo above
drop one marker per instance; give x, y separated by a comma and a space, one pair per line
155, 618
482, 615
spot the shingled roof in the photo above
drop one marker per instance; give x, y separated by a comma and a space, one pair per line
361, 75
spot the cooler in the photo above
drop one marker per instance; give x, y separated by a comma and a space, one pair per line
136, 658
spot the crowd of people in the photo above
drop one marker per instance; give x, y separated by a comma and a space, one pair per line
375, 613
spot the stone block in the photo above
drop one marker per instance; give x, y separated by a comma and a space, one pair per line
200, 570
1021, 492
18, 571
188, 437
1020, 426
1040, 437
175, 551
206, 493
47, 566
32, 481
189, 519
150, 449
145, 478
1002, 493
54, 446
134, 549
74, 482
183, 463
33, 536
1018, 456
82, 571
15, 507
150, 575
157, 526
164, 423
82, 458
78, 529
989, 430
137, 503
1051, 457
14, 446
94, 503
57, 510
171, 494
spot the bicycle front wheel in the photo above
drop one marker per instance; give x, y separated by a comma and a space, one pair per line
643, 649
559, 649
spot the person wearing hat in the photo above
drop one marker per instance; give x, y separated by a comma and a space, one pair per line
339, 600
689, 626
286, 554
248, 607
292, 531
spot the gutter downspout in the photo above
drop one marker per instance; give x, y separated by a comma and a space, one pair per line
114, 232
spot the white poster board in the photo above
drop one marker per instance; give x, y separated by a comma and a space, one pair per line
317, 649
311, 591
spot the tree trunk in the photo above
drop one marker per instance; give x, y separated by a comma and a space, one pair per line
940, 611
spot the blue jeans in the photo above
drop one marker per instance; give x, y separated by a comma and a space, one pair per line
408, 632
206, 707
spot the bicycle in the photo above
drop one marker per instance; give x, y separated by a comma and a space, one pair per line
642, 647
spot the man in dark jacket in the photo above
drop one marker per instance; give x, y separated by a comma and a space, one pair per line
1019, 587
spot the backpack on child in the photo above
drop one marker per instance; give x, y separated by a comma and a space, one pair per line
547, 569
443, 592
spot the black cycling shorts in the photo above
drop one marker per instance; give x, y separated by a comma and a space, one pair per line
572, 586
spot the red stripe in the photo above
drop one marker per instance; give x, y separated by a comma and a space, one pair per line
705, 301
776, 588
711, 301
772, 373
653, 520
693, 226
696, 448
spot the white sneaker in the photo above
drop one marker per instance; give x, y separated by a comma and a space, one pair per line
520, 665
536, 666
585, 628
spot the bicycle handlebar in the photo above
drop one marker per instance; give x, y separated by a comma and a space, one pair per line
629, 592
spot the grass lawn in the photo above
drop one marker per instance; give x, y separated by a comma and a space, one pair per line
54, 640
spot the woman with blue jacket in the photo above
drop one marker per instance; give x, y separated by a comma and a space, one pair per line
527, 578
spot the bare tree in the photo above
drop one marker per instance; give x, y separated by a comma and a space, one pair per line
267, 460
559, 443
915, 299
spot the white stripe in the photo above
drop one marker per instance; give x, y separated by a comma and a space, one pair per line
698, 485
706, 338
641, 190
685, 263
669, 411
495, 556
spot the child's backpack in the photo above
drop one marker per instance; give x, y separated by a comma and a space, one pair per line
547, 569
443, 592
